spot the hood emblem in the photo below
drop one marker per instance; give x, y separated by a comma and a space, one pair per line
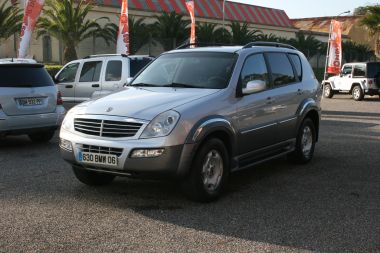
110, 109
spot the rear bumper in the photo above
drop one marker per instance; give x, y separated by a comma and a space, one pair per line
372, 92
21, 124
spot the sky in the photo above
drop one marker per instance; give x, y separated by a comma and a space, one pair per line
308, 8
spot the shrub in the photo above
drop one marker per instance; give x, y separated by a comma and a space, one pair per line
53, 69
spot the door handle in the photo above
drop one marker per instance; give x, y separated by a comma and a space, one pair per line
96, 85
300, 92
69, 86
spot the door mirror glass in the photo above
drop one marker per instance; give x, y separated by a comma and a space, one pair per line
254, 87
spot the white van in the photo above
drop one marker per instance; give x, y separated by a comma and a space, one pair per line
79, 79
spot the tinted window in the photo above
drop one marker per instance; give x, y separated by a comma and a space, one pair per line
254, 69
68, 74
297, 64
373, 70
359, 71
282, 70
193, 70
113, 71
347, 70
91, 71
137, 64
24, 76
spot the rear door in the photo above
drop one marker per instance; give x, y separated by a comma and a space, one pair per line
26, 89
66, 80
89, 79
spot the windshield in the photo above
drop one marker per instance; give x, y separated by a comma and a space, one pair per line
373, 69
188, 70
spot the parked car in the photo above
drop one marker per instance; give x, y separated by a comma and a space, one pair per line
358, 79
197, 115
29, 101
78, 80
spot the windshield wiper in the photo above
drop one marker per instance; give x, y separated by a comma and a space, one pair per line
143, 85
181, 85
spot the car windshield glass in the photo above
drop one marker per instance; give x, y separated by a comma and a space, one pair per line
24, 76
373, 70
188, 70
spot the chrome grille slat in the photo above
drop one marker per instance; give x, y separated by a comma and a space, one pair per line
106, 128
101, 150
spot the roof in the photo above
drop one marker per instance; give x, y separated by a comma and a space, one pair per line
212, 9
322, 24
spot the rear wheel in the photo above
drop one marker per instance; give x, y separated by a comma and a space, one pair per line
42, 137
209, 173
327, 91
357, 93
305, 143
91, 177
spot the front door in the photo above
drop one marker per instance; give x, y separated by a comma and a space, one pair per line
345, 80
89, 80
66, 80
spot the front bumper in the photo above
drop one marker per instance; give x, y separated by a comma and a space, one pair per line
174, 162
26, 123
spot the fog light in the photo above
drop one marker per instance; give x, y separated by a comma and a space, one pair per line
66, 145
147, 153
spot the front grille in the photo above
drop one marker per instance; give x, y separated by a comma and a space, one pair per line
106, 128
101, 150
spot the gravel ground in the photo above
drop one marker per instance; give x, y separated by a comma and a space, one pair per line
329, 205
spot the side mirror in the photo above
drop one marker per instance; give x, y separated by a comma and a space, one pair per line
254, 87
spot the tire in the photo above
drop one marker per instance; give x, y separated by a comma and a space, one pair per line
357, 93
305, 143
199, 188
327, 91
42, 137
92, 178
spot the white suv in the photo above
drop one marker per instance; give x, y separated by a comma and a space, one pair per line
357, 79
80, 79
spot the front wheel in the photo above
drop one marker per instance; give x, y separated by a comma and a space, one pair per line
42, 137
305, 143
92, 178
327, 91
357, 93
209, 173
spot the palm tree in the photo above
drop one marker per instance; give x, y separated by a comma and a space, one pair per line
308, 45
371, 19
66, 20
209, 33
10, 20
170, 29
268, 37
356, 52
241, 34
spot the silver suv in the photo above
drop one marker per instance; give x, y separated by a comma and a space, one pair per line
29, 101
197, 115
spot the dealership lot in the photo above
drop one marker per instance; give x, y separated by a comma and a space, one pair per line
329, 205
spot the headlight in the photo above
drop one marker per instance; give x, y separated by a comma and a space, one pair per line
68, 121
162, 125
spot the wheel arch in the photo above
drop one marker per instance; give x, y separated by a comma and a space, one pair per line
310, 109
355, 84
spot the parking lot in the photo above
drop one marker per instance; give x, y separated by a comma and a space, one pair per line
329, 205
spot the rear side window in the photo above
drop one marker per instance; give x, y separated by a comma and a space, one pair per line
359, 71
297, 64
24, 76
254, 69
113, 71
91, 71
282, 70
68, 74
137, 64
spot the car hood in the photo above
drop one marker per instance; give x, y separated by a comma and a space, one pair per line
143, 103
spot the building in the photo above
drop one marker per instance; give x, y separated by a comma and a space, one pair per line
267, 20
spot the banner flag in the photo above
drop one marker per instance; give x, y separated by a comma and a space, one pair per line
335, 52
32, 12
122, 46
191, 8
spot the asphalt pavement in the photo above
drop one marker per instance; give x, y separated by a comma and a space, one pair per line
329, 205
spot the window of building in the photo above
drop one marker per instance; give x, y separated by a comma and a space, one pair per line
282, 70
46, 49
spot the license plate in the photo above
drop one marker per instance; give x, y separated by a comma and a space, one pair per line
100, 159
30, 101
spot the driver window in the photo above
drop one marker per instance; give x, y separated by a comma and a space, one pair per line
254, 69
347, 70
68, 74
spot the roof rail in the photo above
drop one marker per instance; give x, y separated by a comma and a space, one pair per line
268, 44
104, 55
200, 44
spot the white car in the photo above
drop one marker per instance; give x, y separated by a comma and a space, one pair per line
101, 74
357, 79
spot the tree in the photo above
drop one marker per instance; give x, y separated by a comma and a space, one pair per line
307, 44
10, 20
209, 33
356, 52
170, 30
371, 19
241, 34
67, 20
268, 37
